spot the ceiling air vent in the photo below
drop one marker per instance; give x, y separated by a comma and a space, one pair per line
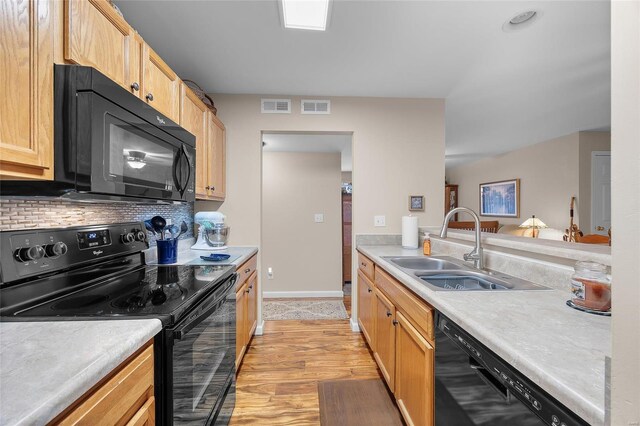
315, 107
276, 106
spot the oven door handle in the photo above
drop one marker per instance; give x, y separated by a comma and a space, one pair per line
204, 310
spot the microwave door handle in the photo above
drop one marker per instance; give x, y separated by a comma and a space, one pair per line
186, 182
176, 165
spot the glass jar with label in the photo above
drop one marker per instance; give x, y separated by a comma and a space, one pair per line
591, 286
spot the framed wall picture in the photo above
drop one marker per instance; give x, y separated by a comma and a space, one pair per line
416, 203
500, 199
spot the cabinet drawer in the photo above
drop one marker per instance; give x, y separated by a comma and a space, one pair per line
365, 265
120, 398
245, 270
417, 311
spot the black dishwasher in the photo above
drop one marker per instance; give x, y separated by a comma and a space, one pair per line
474, 386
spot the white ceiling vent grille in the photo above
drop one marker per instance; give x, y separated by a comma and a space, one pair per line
276, 106
315, 106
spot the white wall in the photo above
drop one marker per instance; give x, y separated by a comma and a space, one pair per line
589, 142
398, 150
625, 201
305, 256
548, 173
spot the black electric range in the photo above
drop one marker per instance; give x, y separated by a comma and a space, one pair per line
99, 272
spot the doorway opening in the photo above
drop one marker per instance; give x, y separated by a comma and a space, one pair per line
306, 225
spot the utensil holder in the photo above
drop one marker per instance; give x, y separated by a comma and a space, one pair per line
167, 251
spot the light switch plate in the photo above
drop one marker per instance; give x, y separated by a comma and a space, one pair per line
319, 217
379, 221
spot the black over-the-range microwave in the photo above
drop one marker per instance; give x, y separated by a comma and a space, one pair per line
111, 145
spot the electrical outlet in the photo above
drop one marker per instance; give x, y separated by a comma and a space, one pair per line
270, 273
379, 221
319, 218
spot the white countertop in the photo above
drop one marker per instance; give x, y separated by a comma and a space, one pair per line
561, 349
186, 256
46, 366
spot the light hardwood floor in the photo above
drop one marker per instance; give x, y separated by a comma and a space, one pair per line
278, 379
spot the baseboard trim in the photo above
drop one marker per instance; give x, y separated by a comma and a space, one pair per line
299, 294
354, 325
260, 329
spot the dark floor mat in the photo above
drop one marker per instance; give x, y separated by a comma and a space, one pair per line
357, 403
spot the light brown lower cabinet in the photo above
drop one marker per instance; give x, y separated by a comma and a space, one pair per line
414, 374
366, 304
403, 333
125, 397
246, 307
241, 323
385, 351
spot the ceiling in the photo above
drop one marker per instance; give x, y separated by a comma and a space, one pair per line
316, 142
503, 89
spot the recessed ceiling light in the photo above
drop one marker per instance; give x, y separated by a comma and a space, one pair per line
522, 17
521, 21
305, 14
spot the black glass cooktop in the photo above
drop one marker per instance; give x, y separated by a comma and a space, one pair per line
164, 292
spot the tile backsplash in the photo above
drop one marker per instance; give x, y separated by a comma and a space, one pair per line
29, 213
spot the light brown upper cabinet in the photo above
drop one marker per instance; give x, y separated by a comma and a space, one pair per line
214, 160
26, 78
160, 85
194, 118
96, 36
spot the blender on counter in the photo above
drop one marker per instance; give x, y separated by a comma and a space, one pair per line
212, 231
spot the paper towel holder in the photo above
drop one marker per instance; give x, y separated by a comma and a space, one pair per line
416, 203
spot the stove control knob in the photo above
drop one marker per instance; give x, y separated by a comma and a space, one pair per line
29, 253
141, 236
128, 238
55, 249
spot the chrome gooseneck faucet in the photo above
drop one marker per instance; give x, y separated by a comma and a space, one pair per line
476, 254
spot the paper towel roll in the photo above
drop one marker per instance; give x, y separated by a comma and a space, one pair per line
410, 232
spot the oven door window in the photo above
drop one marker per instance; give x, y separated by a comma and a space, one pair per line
136, 157
203, 364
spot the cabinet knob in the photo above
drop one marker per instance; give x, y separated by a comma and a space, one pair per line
213, 188
599, 228
247, 291
135, 86
149, 97
395, 322
207, 188
246, 271
388, 313
369, 290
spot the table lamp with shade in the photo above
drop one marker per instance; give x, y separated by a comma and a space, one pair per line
535, 223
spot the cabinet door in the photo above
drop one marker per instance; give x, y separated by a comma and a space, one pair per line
414, 374
26, 78
216, 159
136, 66
146, 416
96, 36
241, 324
252, 306
385, 352
366, 302
160, 85
193, 117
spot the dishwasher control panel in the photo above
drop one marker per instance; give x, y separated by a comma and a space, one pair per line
547, 408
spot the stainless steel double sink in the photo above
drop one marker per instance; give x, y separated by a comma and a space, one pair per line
443, 273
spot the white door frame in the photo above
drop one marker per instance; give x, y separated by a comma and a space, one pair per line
594, 155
